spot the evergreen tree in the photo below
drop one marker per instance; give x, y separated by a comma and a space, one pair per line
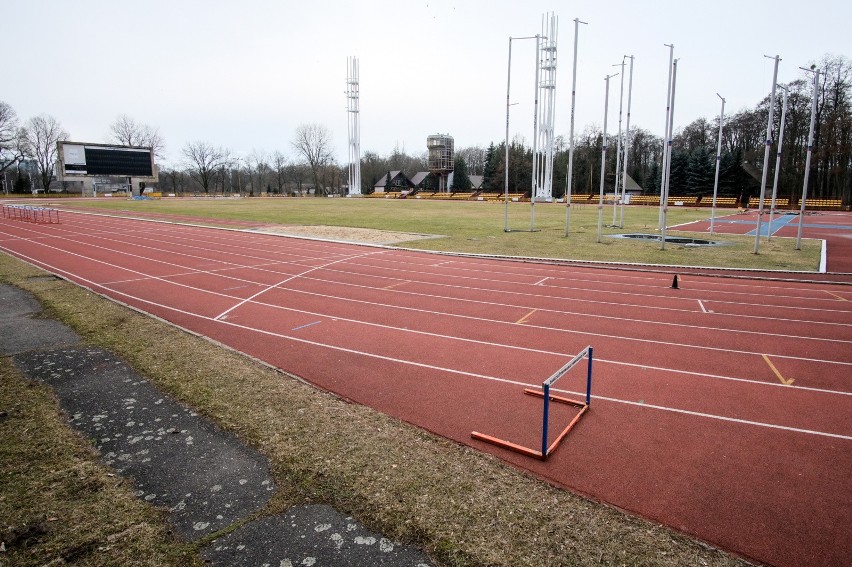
492, 159
677, 181
388, 182
461, 181
699, 172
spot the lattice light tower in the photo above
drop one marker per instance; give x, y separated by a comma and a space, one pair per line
441, 158
546, 82
353, 111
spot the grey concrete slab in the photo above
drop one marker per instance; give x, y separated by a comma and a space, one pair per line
316, 535
21, 331
177, 459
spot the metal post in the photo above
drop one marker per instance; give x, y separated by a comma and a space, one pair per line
603, 159
808, 159
570, 177
626, 142
534, 188
665, 160
669, 147
545, 419
618, 143
777, 162
506, 161
589, 378
766, 153
718, 162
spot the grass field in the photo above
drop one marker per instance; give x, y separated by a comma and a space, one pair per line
477, 227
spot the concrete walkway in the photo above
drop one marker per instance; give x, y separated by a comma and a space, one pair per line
179, 460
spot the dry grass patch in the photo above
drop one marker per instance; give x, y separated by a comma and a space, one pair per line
463, 507
58, 505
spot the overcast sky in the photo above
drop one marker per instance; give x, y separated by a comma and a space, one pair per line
245, 74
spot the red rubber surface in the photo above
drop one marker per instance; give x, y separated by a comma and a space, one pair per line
691, 423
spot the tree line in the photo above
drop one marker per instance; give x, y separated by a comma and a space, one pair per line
313, 169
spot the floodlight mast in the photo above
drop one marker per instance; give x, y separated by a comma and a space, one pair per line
669, 147
808, 158
547, 57
665, 161
353, 95
570, 177
603, 158
766, 152
778, 161
718, 162
618, 142
626, 142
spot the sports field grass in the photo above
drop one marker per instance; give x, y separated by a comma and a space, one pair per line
477, 227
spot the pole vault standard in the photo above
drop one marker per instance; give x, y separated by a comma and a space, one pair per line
718, 161
569, 179
808, 158
618, 143
766, 152
353, 110
665, 169
778, 161
603, 158
506, 160
626, 142
665, 199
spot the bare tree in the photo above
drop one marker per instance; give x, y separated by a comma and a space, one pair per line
203, 161
258, 171
38, 142
279, 166
10, 144
128, 132
313, 142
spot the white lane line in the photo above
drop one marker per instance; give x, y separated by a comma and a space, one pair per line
485, 343
555, 297
282, 282
542, 280
478, 319
450, 370
701, 304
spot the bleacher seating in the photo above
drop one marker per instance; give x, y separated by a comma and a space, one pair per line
824, 204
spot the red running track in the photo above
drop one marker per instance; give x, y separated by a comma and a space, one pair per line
722, 409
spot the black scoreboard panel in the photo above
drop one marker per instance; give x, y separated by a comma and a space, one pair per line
110, 161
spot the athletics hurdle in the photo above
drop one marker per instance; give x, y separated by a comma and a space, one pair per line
547, 450
27, 213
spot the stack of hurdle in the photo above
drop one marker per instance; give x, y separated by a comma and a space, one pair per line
27, 213
548, 448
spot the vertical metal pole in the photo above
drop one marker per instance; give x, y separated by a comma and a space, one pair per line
808, 161
545, 420
626, 142
570, 176
603, 160
618, 144
778, 162
766, 154
534, 188
718, 163
669, 147
506, 161
589, 378
665, 160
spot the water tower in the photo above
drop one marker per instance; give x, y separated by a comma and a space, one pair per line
441, 158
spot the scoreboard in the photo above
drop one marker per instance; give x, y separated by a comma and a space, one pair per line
79, 159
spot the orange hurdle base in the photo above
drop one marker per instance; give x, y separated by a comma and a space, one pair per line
532, 452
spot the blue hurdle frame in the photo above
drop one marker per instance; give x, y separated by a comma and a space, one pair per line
546, 449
